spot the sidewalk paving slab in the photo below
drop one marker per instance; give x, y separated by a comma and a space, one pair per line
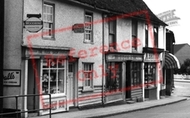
117, 109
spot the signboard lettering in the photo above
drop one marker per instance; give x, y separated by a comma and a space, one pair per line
11, 77
33, 24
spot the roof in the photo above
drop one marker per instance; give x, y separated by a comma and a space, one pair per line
177, 47
123, 7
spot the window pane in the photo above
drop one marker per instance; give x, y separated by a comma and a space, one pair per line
134, 28
112, 27
60, 81
53, 82
88, 27
45, 81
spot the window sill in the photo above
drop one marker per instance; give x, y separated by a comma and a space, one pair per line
87, 90
87, 42
49, 38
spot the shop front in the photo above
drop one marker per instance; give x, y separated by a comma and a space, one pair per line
49, 71
123, 76
152, 72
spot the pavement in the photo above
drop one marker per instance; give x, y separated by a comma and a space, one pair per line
182, 80
117, 109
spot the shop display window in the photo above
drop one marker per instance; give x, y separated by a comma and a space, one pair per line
53, 74
136, 74
150, 75
114, 76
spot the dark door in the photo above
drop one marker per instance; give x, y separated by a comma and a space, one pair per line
33, 101
128, 80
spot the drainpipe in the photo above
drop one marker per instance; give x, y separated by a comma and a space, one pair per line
1, 51
103, 67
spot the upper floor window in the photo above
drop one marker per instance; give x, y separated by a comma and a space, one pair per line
88, 27
112, 34
146, 35
134, 34
48, 20
155, 36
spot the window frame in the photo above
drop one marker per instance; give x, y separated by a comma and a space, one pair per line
86, 30
146, 35
114, 76
156, 36
91, 86
112, 44
134, 34
48, 69
52, 36
136, 74
150, 75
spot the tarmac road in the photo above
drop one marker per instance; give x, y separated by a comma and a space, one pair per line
181, 89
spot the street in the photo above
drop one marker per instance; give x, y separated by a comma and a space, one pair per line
177, 110
181, 89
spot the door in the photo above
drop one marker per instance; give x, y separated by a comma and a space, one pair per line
71, 84
128, 80
32, 101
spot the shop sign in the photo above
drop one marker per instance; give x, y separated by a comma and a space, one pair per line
123, 57
11, 77
33, 24
78, 28
169, 17
151, 57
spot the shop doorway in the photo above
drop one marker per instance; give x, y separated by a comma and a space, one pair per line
33, 101
128, 80
71, 84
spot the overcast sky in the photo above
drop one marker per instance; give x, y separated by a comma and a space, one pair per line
182, 32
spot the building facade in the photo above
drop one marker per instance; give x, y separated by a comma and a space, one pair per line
87, 52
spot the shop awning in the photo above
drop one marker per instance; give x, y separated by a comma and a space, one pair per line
171, 61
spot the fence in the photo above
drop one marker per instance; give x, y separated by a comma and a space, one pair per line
17, 112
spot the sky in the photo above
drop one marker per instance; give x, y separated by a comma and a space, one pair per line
181, 32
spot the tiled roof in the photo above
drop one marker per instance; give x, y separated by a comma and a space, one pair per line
123, 7
177, 47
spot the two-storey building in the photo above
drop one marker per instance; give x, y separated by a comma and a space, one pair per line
86, 52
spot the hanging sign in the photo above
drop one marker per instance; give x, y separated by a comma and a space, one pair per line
33, 23
78, 28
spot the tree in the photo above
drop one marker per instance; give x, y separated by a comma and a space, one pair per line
185, 67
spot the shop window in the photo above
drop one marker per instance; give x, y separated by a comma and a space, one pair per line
150, 75
88, 76
134, 35
114, 77
136, 74
48, 20
53, 76
156, 36
112, 34
146, 35
88, 38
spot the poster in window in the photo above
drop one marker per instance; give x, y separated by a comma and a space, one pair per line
11, 77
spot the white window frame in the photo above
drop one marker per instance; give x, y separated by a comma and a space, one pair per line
48, 19
48, 69
88, 28
89, 70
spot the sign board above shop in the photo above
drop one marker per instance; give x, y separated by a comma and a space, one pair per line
123, 57
33, 24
